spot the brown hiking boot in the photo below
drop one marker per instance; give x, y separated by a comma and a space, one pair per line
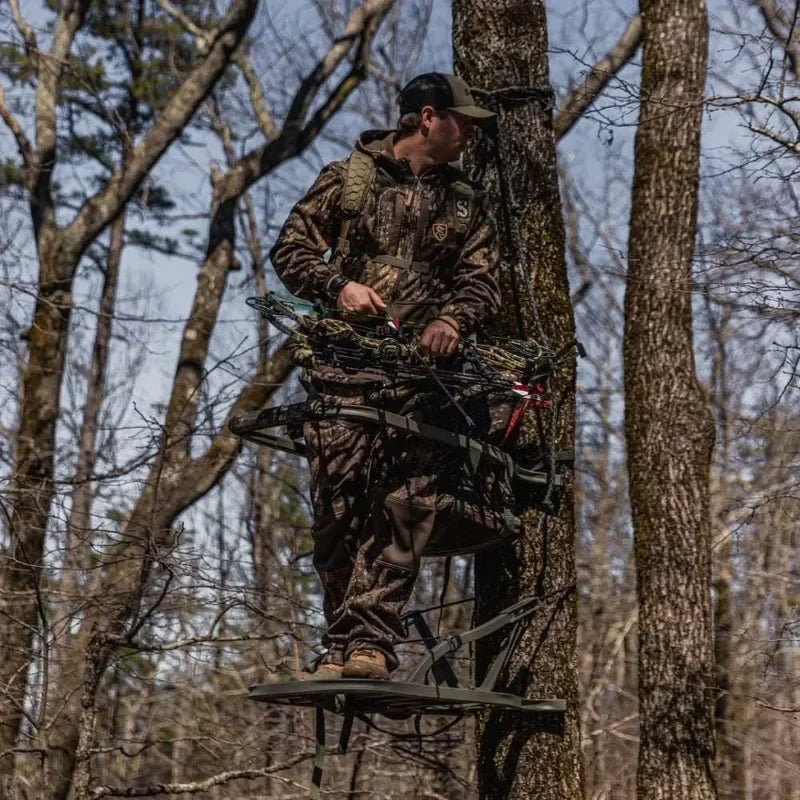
366, 662
324, 672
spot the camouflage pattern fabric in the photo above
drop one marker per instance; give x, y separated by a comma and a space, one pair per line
380, 497
416, 218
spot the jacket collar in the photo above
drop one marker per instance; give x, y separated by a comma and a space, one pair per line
379, 144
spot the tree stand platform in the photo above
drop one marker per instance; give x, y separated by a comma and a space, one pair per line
354, 698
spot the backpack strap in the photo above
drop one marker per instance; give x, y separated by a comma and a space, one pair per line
357, 182
358, 179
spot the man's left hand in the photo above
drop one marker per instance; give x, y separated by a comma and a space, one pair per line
440, 338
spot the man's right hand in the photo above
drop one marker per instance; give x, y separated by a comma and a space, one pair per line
356, 298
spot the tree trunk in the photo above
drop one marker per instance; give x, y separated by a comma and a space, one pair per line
79, 527
500, 44
669, 429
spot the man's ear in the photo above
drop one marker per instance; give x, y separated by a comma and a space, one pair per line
427, 113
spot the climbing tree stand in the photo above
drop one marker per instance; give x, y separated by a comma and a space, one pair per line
431, 688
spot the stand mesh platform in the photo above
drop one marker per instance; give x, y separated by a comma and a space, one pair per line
394, 698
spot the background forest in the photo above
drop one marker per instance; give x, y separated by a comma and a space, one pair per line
152, 567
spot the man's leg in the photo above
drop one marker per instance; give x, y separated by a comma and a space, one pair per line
399, 526
337, 453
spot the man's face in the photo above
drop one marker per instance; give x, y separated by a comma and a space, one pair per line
447, 134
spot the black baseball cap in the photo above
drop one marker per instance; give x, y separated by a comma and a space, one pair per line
441, 91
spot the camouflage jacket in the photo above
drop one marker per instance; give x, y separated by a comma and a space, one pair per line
438, 220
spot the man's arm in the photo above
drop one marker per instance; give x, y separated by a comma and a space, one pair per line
477, 289
308, 233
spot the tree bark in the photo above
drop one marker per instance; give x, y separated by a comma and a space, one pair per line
668, 426
496, 45
79, 526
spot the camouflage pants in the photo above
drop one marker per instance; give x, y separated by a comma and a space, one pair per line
374, 502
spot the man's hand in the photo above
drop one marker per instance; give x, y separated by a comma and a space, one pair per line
440, 338
356, 298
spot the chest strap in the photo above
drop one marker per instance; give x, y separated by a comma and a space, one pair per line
423, 267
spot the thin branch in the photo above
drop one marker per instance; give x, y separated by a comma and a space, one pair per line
13, 124
363, 19
98, 210
200, 786
598, 78
774, 17
770, 133
26, 31
193, 641
263, 117
293, 138
203, 38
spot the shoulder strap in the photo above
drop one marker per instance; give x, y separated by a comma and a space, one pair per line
357, 183
358, 179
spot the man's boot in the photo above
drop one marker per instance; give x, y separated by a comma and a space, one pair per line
326, 668
324, 672
366, 663
323, 668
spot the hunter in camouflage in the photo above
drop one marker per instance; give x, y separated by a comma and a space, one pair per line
421, 249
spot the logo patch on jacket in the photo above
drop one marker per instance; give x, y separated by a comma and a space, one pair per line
462, 209
439, 231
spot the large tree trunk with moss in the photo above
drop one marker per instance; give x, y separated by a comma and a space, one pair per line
500, 44
668, 426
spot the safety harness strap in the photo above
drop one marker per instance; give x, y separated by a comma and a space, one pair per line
424, 267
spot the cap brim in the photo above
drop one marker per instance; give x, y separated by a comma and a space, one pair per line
473, 111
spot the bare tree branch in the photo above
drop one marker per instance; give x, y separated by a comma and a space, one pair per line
38, 178
294, 136
203, 37
13, 124
784, 31
263, 117
25, 29
200, 786
598, 78
99, 210
778, 138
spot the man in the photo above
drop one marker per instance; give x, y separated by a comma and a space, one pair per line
420, 250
